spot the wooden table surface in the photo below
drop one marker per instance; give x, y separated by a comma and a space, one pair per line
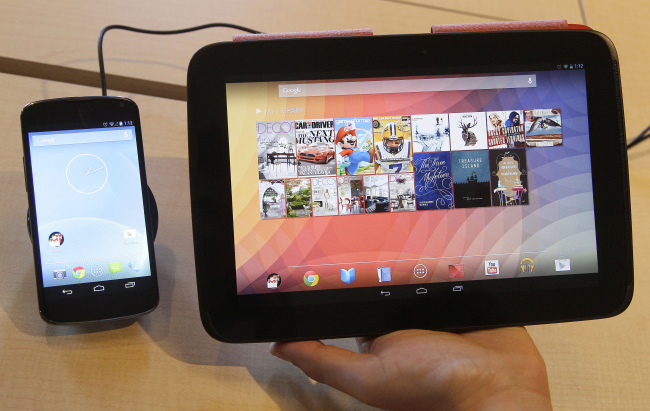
165, 360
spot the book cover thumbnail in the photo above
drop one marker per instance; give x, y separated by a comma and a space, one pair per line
471, 178
375, 188
272, 199
298, 197
393, 146
430, 133
509, 177
543, 128
353, 140
468, 131
276, 150
401, 188
505, 129
316, 154
433, 185
351, 200
324, 196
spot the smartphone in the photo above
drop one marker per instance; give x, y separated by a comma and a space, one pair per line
89, 215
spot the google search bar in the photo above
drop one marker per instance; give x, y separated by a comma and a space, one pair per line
80, 137
407, 86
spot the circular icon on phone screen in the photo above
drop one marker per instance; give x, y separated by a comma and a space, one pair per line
56, 239
78, 272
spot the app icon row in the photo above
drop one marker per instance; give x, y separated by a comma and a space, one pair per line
56, 239
347, 276
97, 270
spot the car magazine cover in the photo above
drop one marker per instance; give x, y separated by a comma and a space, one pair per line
393, 146
430, 133
467, 131
316, 155
505, 129
376, 193
351, 200
432, 172
509, 177
298, 197
543, 128
354, 152
471, 176
323, 196
276, 150
402, 192
272, 199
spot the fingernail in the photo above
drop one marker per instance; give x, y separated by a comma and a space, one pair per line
275, 350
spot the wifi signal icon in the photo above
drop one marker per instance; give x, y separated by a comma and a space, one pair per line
566, 65
111, 123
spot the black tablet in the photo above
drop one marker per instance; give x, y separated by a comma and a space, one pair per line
360, 185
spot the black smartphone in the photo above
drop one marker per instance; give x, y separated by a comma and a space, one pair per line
89, 216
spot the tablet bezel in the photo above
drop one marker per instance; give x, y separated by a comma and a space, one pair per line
232, 318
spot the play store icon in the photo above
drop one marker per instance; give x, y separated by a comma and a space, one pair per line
562, 264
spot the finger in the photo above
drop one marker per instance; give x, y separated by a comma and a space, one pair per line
337, 367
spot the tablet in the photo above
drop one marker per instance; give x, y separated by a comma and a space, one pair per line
359, 185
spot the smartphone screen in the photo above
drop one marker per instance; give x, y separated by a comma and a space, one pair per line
91, 233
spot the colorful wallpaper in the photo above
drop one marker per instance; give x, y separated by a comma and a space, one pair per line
557, 223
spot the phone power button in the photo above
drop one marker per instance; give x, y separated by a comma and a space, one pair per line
25, 173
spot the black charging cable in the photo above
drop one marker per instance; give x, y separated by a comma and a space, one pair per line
100, 51
644, 134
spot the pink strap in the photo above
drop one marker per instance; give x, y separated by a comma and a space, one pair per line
302, 34
436, 28
501, 25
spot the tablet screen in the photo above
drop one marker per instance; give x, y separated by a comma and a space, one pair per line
359, 183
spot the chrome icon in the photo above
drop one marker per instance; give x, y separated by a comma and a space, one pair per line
310, 278
78, 272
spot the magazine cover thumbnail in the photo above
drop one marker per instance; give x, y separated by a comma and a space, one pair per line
543, 128
509, 177
430, 133
316, 154
432, 172
323, 194
393, 146
402, 192
471, 176
351, 199
272, 199
354, 152
298, 197
468, 131
276, 150
505, 129
376, 193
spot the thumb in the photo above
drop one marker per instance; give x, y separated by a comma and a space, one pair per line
337, 367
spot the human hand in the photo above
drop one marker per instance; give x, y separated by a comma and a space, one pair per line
429, 370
